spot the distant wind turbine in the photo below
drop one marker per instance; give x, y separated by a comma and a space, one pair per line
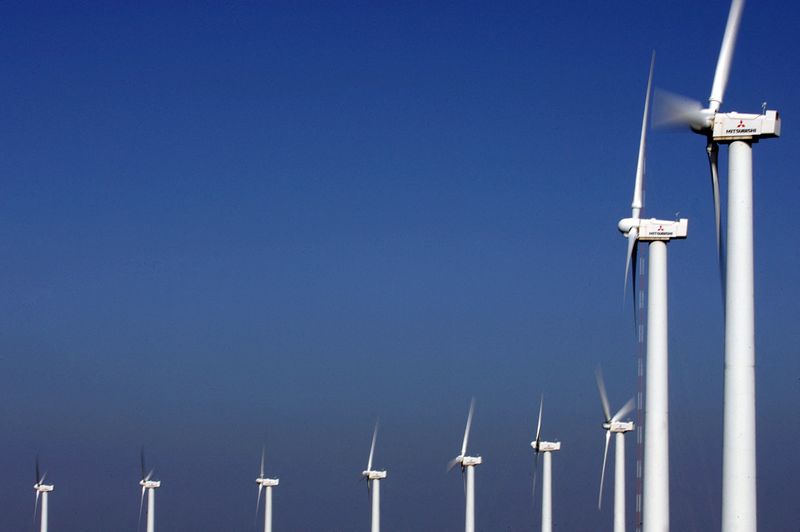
149, 486
617, 426
468, 464
42, 490
373, 479
546, 448
265, 484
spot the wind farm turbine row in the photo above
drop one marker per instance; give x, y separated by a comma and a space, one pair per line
373, 477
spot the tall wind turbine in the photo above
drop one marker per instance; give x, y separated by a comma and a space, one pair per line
619, 428
265, 484
42, 490
740, 131
148, 486
468, 464
373, 479
655, 506
546, 448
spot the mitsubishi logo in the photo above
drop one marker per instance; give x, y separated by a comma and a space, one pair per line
741, 124
660, 228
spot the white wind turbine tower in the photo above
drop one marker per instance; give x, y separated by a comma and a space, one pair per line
148, 486
373, 479
42, 490
740, 131
546, 448
655, 506
265, 484
468, 464
619, 428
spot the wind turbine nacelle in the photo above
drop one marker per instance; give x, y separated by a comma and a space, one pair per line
546, 446
471, 461
653, 229
619, 426
150, 484
43, 487
742, 126
268, 482
374, 475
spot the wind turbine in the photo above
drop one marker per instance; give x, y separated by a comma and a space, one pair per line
373, 479
150, 487
546, 448
655, 504
265, 484
468, 464
740, 131
618, 427
42, 490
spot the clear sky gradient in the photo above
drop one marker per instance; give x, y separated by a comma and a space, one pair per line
224, 225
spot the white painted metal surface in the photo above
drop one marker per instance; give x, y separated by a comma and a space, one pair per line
469, 517
151, 510
739, 419
547, 492
376, 506
44, 522
619, 482
656, 429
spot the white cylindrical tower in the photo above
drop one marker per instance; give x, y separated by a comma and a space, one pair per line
656, 429
619, 483
44, 511
376, 505
151, 510
469, 520
547, 495
739, 418
268, 509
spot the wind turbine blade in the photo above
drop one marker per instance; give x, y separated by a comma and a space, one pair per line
144, 469
258, 500
535, 474
601, 387
638, 188
603, 473
263, 452
726, 55
713, 156
625, 410
36, 505
38, 474
372, 447
150, 474
674, 110
539, 423
464, 480
630, 264
141, 504
469, 425
452, 463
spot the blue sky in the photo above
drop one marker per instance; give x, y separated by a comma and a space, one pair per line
224, 226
